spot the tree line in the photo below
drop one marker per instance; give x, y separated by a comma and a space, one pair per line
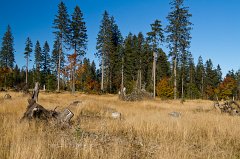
124, 61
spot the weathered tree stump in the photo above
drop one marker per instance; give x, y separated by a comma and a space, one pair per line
7, 96
65, 116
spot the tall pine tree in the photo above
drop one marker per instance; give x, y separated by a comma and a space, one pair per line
77, 40
200, 76
28, 50
61, 23
109, 51
155, 37
7, 51
38, 60
55, 57
46, 63
178, 34
103, 45
7, 54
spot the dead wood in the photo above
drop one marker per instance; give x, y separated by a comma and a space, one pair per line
7, 96
35, 92
229, 107
35, 111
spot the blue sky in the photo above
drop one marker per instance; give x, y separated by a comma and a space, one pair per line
215, 33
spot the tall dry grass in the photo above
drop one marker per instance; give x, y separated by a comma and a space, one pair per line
147, 131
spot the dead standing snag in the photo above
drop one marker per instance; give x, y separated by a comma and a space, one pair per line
36, 92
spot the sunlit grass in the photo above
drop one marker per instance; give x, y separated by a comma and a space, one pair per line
146, 131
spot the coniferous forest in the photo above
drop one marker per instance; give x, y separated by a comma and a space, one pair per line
123, 60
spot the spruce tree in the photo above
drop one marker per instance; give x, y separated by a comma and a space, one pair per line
7, 51
93, 71
46, 63
163, 66
200, 76
61, 23
211, 79
38, 60
192, 91
184, 60
55, 58
7, 54
219, 73
178, 34
46, 60
77, 39
115, 57
147, 69
28, 50
155, 37
104, 46
130, 68
139, 57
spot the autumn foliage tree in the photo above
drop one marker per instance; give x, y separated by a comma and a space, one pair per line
227, 88
165, 89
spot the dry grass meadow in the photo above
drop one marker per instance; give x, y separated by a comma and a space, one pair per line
146, 130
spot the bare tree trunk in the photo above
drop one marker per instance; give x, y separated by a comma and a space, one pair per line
110, 81
154, 75
73, 81
59, 65
122, 78
102, 75
182, 89
5, 81
74, 68
202, 87
27, 71
175, 78
191, 81
140, 75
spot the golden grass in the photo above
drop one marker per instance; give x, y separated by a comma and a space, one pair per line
147, 131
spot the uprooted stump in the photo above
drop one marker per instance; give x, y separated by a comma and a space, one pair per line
230, 107
37, 112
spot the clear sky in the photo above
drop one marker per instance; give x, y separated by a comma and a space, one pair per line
215, 33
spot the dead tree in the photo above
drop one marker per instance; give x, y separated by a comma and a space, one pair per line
35, 111
36, 92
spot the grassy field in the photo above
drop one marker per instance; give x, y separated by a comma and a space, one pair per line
146, 130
